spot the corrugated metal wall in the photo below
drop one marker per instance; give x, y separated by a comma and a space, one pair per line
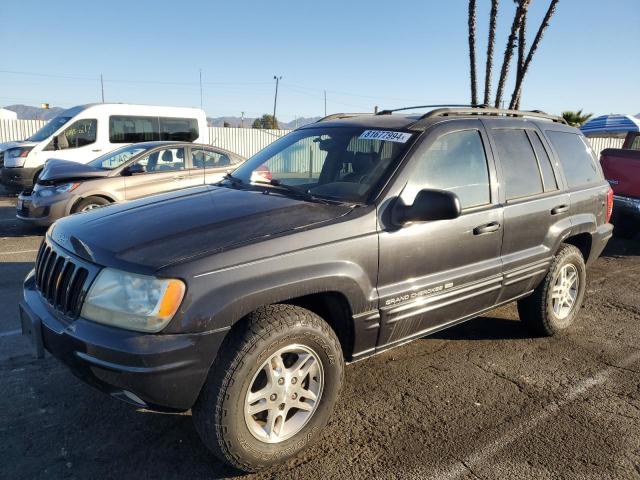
245, 141
18, 129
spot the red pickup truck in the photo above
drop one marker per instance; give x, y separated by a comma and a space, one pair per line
621, 168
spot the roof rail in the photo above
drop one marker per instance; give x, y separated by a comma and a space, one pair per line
333, 116
389, 111
490, 111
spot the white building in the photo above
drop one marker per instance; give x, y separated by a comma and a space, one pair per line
7, 114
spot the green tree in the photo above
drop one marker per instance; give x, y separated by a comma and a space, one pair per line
266, 121
226, 124
576, 119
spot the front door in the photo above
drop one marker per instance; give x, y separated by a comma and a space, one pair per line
435, 273
162, 170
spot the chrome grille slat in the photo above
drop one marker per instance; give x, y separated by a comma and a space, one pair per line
62, 280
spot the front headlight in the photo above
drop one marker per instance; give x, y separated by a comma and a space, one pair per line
131, 301
45, 191
15, 157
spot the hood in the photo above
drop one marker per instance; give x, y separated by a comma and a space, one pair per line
55, 170
23, 143
161, 230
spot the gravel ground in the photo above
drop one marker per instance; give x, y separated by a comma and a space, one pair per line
482, 400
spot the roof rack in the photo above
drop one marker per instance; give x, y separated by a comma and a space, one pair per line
490, 111
389, 111
333, 116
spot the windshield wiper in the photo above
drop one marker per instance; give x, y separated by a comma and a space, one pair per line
298, 191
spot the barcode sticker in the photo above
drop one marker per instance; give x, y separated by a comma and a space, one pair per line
385, 135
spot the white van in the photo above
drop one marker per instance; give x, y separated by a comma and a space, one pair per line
85, 132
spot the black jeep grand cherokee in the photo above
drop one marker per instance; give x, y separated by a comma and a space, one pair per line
243, 300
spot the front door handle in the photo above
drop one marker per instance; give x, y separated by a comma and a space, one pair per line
97, 150
559, 209
488, 228
179, 177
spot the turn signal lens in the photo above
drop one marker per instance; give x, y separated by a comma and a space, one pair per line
609, 204
171, 299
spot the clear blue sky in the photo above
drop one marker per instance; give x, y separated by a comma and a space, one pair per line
363, 53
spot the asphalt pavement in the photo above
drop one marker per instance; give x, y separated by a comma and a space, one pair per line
482, 400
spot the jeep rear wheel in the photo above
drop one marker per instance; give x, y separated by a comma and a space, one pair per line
554, 304
272, 388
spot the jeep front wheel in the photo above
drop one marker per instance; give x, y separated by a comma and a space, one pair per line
272, 388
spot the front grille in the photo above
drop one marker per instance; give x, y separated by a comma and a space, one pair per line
61, 280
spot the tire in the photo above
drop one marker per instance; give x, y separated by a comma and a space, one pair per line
537, 311
234, 434
90, 203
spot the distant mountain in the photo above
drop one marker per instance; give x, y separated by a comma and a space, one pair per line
248, 121
25, 112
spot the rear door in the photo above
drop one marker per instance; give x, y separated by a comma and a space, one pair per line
535, 207
434, 273
164, 170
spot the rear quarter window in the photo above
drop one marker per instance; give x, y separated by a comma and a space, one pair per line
575, 158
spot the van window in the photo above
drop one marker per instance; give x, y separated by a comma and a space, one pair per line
49, 129
575, 157
456, 162
548, 177
178, 129
133, 129
78, 134
519, 164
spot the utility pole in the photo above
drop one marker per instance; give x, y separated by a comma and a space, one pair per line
241, 119
275, 99
200, 88
102, 87
325, 103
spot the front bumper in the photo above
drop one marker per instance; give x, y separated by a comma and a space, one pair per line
42, 212
18, 178
155, 371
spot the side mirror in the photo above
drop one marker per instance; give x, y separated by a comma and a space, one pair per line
429, 205
134, 169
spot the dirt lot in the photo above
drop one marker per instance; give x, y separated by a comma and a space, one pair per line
483, 400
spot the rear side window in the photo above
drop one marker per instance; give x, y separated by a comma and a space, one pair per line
134, 129
519, 164
575, 157
201, 158
548, 177
456, 162
635, 144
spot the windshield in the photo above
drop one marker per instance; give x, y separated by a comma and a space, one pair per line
116, 158
49, 129
337, 163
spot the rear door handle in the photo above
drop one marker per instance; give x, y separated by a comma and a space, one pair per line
97, 150
179, 177
488, 228
559, 209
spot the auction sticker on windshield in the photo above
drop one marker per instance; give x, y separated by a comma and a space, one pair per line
386, 135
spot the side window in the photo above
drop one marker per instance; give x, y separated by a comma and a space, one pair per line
78, 134
178, 129
456, 162
575, 157
130, 129
548, 177
201, 158
635, 144
167, 160
519, 164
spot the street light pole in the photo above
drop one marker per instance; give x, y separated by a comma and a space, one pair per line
325, 103
200, 88
275, 99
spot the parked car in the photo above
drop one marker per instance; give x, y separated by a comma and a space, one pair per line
621, 168
129, 172
85, 132
243, 301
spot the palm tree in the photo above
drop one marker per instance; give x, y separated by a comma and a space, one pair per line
522, 45
472, 51
492, 38
508, 53
576, 119
517, 91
